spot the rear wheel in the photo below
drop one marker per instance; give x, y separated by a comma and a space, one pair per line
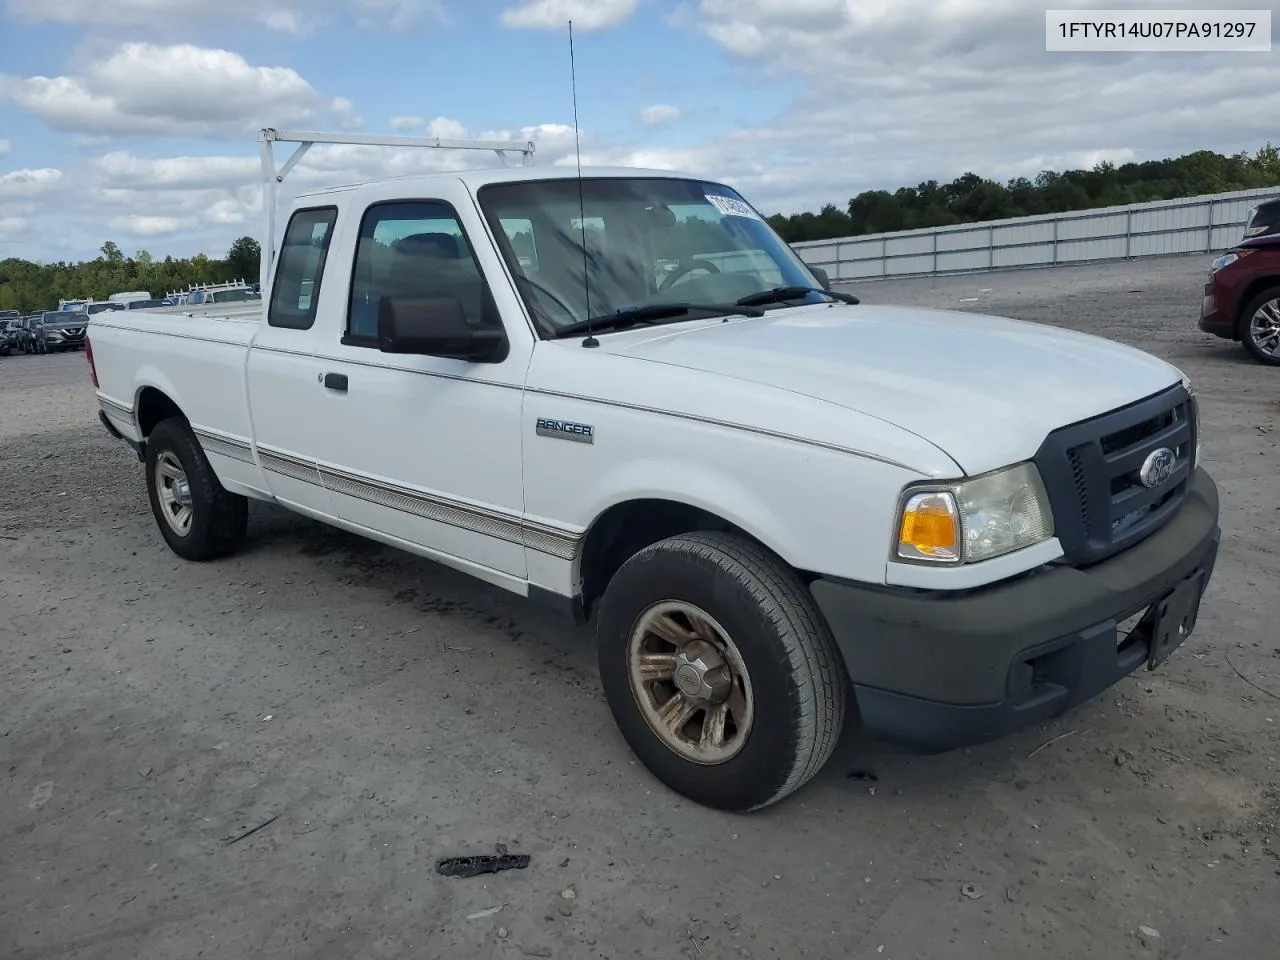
1260, 327
720, 671
197, 517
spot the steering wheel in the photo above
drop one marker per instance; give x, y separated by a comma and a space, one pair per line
687, 266
538, 284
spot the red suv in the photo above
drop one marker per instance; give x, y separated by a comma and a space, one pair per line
1242, 298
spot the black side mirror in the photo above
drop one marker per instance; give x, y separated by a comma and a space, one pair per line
822, 276
437, 327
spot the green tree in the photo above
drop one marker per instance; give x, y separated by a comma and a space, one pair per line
244, 259
971, 198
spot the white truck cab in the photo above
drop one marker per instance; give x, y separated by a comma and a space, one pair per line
623, 394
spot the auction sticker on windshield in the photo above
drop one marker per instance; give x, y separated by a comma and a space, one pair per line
731, 207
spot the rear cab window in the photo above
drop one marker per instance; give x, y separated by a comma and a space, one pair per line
295, 295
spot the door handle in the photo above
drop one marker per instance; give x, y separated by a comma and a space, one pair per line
335, 381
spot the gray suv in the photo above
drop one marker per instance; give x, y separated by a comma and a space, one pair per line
59, 330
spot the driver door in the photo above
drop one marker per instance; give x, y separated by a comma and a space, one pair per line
426, 450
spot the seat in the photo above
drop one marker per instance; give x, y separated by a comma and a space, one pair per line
436, 265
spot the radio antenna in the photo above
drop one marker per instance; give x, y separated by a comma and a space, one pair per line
591, 341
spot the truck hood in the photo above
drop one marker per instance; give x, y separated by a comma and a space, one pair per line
985, 390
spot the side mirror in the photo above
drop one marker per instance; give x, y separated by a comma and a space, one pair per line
822, 276
437, 327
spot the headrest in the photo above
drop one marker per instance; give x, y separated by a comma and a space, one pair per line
441, 245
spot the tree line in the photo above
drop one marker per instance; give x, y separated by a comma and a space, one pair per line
30, 287
972, 199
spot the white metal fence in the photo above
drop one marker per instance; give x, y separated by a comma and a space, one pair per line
1187, 225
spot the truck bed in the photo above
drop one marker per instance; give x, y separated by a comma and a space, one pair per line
196, 359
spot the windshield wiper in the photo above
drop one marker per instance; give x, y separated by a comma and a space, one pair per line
780, 294
652, 313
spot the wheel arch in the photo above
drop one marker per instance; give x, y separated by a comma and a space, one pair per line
1247, 295
625, 527
152, 403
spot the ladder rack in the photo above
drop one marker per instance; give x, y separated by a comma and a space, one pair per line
273, 176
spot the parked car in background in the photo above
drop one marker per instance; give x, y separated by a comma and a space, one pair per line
146, 304
129, 296
1242, 296
6, 338
60, 330
101, 306
24, 332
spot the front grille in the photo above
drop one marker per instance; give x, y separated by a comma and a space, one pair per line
1092, 472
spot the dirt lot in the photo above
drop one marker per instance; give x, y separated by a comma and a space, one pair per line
388, 712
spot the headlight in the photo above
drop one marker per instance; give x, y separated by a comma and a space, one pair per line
1227, 259
1223, 261
976, 519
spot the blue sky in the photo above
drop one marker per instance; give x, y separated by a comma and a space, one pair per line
134, 120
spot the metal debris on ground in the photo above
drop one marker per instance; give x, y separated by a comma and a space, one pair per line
250, 832
475, 866
972, 891
481, 914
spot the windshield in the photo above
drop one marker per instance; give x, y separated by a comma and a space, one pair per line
234, 296
648, 241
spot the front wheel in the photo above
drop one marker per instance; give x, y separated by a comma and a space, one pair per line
1260, 326
197, 516
720, 671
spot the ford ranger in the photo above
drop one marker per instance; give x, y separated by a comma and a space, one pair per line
621, 393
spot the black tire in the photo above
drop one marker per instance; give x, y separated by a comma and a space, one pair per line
218, 518
797, 677
1246, 316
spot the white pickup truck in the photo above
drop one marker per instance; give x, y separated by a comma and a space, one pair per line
621, 393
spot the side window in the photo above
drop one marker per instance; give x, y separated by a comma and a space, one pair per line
413, 248
300, 267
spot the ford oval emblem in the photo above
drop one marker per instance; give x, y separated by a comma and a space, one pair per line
1158, 467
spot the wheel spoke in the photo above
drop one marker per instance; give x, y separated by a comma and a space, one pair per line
670, 630
737, 704
713, 727
676, 712
169, 470
703, 630
656, 666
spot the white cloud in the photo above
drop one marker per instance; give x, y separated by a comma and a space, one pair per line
659, 113
29, 183
346, 113
150, 226
447, 129
122, 169
556, 14
11, 226
179, 89
978, 93
408, 123
295, 17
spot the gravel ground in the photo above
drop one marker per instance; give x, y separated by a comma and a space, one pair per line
387, 712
